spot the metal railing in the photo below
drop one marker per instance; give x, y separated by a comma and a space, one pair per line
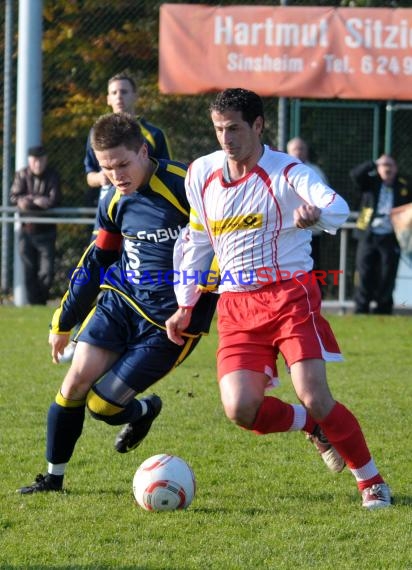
51, 216
11, 215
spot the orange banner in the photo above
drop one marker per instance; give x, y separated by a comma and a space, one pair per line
308, 52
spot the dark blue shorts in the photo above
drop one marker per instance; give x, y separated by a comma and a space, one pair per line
145, 353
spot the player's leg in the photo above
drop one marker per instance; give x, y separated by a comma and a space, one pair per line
341, 428
306, 344
117, 327
115, 403
151, 371
245, 403
242, 393
248, 344
245, 372
66, 414
246, 366
150, 357
272, 415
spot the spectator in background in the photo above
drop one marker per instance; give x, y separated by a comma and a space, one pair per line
37, 188
298, 148
121, 97
378, 251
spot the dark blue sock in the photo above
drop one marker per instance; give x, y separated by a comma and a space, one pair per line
64, 427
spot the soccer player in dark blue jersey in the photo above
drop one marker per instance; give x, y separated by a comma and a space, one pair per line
122, 347
121, 97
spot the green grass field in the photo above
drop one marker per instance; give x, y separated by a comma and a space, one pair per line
261, 503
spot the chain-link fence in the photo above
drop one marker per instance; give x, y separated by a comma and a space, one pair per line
87, 41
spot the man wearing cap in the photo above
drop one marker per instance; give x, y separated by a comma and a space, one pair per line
378, 252
37, 188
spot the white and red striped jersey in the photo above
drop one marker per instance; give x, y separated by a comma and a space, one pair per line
249, 222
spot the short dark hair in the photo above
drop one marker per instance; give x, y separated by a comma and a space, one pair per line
248, 102
116, 129
123, 76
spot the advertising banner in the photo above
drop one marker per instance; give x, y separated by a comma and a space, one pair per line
306, 52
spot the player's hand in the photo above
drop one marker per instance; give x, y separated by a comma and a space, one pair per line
306, 216
177, 323
104, 181
58, 343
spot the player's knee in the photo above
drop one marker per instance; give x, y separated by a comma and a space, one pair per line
101, 409
241, 412
318, 406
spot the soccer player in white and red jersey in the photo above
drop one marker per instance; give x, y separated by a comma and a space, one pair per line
256, 208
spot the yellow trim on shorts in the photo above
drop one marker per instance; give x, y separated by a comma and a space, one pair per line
86, 320
136, 307
184, 352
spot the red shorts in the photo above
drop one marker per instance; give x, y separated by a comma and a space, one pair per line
281, 317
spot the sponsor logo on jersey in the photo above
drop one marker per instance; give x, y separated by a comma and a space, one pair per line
159, 235
236, 223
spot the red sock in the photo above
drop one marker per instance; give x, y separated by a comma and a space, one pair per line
310, 424
344, 432
364, 484
273, 416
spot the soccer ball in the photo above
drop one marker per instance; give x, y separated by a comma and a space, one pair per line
164, 483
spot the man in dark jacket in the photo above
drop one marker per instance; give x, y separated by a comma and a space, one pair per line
37, 188
378, 252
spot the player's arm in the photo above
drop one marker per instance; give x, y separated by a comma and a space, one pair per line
191, 261
18, 188
84, 285
360, 175
54, 195
81, 295
96, 179
94, 175
85, 281
323, 208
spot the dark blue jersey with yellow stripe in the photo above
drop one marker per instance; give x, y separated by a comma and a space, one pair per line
149, 221
133, 254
